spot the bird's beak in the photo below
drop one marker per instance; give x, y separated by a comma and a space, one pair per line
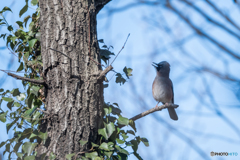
154, 64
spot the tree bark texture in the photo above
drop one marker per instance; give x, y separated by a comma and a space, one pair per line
74, 96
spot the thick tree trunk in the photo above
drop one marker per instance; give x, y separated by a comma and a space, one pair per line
74, 96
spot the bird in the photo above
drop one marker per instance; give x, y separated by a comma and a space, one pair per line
162, 87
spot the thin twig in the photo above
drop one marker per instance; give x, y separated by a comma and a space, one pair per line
42, 111
120, 50
159, 108
35, 81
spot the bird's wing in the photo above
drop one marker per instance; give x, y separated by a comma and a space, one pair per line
172, 93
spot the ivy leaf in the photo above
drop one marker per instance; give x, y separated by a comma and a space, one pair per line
135, 145
34, 90
28, 147
83, 142
21, 97
20, 155
103, 132
43, 136
2, 143
1, 90
145, 141
110, 129
94, 145
5, 9
120, 79
69, 156
23, 10
121, 150
123, 120
108, 154
20, 68
104, 146
127, 71
29, 157
7, 99
91, 155
32, 42
20, 24
119, 141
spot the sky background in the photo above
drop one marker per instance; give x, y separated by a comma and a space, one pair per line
209, 107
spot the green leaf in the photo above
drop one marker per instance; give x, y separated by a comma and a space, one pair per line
32, 42
29, 157
34, 2
69, 156
104, 146
52, 156
124, 136
121, 150
94, 145
91, 155
127, 71
10, 105
103, 132
120, 79
131, 132
97, 158
10, 28
17, 104
34, 90
116, 111
100, 41
83, 142
21, 97
25, 20
145, 141
15, 92
108, 154
110, 129
17, 145
20, 68
123, 120
38, 36
43, 136
132, 124
135, 145
137, 155
5, 9
7, 99
119, 141
2, 144
20, 155
1, 90
28, 147
20, 24
23, 10
9, 125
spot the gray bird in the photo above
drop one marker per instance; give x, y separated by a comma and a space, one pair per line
162, 88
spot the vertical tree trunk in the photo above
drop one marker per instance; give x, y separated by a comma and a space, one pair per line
74, 97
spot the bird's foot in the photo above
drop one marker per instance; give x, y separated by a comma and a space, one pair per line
156, 106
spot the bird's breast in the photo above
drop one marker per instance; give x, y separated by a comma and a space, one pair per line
162, 89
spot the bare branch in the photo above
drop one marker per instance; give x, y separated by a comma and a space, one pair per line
35, 81
120, 50
159, 108
201, 33
42, 111
105, 71
210, 19
222, 14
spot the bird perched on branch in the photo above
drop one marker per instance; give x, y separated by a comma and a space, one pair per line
162, 88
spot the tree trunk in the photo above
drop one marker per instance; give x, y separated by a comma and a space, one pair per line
74, 96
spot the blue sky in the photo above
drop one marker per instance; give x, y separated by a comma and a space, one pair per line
150, 41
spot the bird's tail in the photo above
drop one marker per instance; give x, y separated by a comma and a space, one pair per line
172, 113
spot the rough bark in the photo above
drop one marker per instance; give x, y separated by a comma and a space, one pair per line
74, 94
